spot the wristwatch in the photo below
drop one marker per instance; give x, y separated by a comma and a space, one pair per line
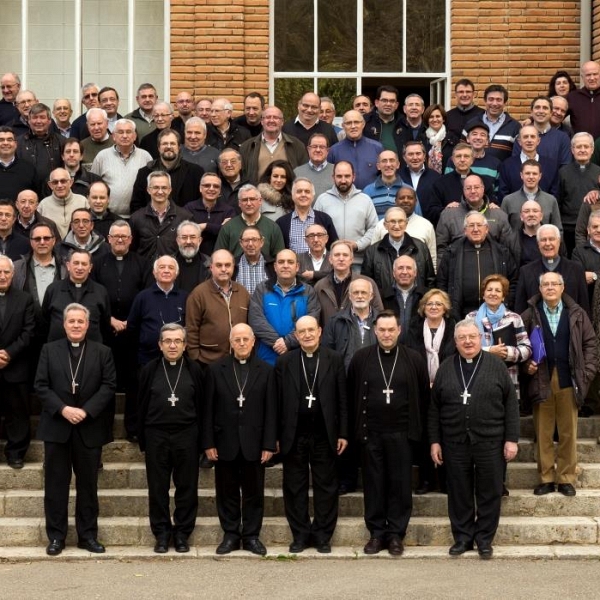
595, 276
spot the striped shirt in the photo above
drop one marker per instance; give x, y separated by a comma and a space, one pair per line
297, 228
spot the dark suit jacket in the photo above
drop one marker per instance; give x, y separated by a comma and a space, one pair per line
331, 395
251, 429
98, 386
16, 332
199, 378
321, 218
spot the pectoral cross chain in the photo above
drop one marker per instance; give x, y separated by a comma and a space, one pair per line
310, 399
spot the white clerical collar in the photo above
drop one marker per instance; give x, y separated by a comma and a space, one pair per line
242, 361
119, 257
75, 344
78, 285
2, 293
173, 363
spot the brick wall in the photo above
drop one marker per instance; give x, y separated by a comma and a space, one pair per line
596, 30
519, 44
220, 48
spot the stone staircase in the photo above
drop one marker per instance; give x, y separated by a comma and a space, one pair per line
547, 526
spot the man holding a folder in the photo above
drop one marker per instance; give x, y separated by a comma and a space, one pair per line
563, 363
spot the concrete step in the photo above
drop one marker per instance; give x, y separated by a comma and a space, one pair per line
587, 427
14, 554
350, 531
588, 450
134, 503
118, 426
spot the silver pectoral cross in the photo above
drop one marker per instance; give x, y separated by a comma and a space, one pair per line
173, 399
240, 400
74, 387
310, 399
465, 396
387, 393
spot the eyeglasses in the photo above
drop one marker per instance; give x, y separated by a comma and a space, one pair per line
176, 342
118, 237
59, 181
317, 147
90, 95
470, 337
230, 161
25, 102
252, 240
395, 221
188, 237
475, 226
81, 222
312, 236
42, 238
246, 200
159, 188
214, 186
433, 304
547, 284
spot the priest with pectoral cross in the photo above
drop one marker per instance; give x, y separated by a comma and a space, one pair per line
474, 428
313, 416
239, 435
171, 389
390, 382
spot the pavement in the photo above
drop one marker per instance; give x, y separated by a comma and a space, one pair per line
297, 579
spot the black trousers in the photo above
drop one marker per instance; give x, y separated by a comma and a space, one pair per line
387, 474
475, 473
124, 353
15, 410
240, 514
315, 453
61, 460
175, 454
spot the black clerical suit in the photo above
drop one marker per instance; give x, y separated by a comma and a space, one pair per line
240, 434
169, 434
472, 429
74, 447
308, 436
386, 431
17, 325
123, 277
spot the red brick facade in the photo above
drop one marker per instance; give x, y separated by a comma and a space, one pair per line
221, 47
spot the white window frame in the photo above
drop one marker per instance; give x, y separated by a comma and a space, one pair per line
131, 77
359, 74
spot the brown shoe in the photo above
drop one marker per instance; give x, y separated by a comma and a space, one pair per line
373, 546
395, 546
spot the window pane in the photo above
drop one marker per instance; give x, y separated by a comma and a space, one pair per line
288, 92
337, 35
425, 46
149, 43
382, 30
10, 37
294, 31
340, 91
51, 57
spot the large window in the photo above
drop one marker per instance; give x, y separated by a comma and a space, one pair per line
340, 48
58, 45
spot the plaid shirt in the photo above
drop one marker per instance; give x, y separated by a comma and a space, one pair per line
297, 228
553, 316
251, 275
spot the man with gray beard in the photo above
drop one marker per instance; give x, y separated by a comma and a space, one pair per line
192, 263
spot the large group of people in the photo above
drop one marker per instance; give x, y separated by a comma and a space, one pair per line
388, 293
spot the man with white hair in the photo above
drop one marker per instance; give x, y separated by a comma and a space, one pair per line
99, 138
89, 98
11, 84
222, 131
195, 149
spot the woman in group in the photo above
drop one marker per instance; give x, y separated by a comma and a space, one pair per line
439, 147
431, 333
502, 331
560, 84
275, 187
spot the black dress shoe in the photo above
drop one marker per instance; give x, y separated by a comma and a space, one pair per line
395, 546
322, 547
255, 546
345, 489
91, 545
16, 463
460, 548
55, 547
133, 439
228, 545
566, 489
485, 552
543, 488
181, 544
161, 546
298, 546
374, 546
505, 492
424, 488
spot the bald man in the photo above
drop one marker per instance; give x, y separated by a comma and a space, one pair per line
239, 436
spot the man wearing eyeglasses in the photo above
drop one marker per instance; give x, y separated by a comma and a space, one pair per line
185, 111
307, 122
11, 84
24, 100
195, 149
249, 200
154, 227
558, 384
59, 206
210, 211
193, 264
162, 115
89, 98
294, 225
318, 170
271, 144
313, 264
252, 266
185, 176
83, 236
222, 131
232, 176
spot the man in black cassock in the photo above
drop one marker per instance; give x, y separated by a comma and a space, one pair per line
313, 416
239, 435
172, 388
389, 382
